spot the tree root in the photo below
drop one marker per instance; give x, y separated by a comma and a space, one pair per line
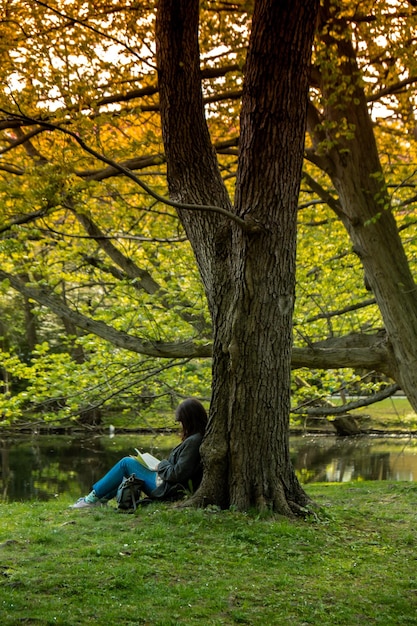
304, 511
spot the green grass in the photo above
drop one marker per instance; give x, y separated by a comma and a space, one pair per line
357, 564
392, 413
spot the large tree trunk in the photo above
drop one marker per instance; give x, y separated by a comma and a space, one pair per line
354, 167
248, 273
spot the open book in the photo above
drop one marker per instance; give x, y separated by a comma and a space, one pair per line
146, 459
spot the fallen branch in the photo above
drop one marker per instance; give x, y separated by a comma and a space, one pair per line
349, 406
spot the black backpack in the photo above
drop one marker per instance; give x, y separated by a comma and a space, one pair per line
129, 493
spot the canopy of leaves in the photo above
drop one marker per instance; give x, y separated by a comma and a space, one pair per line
82, 178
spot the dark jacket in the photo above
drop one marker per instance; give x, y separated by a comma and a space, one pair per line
182, 466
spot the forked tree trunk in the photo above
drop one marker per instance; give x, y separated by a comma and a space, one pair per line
248, 273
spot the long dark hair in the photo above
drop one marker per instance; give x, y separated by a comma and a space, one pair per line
192, 416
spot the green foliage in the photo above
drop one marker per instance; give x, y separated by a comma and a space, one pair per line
74, 227
54, 387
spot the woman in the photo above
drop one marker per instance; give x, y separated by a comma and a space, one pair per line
172, 476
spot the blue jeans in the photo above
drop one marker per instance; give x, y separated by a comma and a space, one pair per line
106, 487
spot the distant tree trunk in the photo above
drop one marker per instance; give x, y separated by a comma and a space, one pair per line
30, 320
355, 170
77, 351
4, 346
30, 325
249, 274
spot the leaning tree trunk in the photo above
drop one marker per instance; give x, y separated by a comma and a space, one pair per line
248, 272
366, 212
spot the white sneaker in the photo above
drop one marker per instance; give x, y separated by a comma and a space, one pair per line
83, 504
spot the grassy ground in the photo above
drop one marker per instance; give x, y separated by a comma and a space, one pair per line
392, 413
357, 564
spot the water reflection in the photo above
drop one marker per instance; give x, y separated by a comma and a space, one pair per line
41, 467
333, 459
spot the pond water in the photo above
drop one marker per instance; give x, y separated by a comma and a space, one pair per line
43, 467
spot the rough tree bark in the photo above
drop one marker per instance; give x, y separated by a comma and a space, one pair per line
248, 273
365, 208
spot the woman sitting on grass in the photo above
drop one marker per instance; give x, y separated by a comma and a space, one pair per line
172, 476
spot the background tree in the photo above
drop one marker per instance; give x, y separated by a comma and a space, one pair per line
344, 146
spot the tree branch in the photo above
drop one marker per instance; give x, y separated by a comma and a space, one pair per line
24, 219
346, 309
141, 279
21, 139
151, 90
129, 174
11, 169
357, 350
183, 349
392, 89
323, 194
84, 24
349, 406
